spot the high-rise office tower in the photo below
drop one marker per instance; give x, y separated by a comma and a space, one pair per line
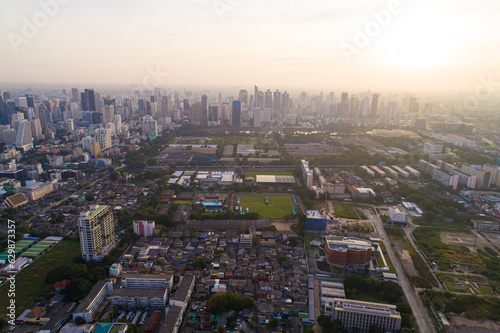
4, 119
90, 101
7, 95
153, 109
224, 111
268, 99
196, 114
414, 107
9, 136
75, 95
365, 104
118, 123
141, 107
352, 109
243, 96
36, 129
83, 101
186, 105
97, 232
45, 117
109, 113
98, 102
204, 109
258, 117
21, 102
24, 139
330, 98
127, 108
261, 99
285, 103
256, 101
278, 112
15, 119
213, 115
356, 107
392, 109
30, 99
236, 113
344, 105
165, 106
374, 109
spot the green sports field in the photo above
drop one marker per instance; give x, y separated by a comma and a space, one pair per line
279, 204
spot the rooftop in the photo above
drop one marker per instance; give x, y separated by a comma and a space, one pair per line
166, 276
82, 307
133, 292
366, 307
183, 290
171, 319
93, 211
341, 243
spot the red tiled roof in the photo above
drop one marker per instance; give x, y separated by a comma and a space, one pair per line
61, 284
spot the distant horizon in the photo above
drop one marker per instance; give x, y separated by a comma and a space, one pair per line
222, 89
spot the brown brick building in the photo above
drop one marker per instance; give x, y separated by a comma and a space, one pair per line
341, 251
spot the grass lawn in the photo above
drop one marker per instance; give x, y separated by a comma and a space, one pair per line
30, 282
344, 210
253, 174
279, 204
387, 258
486, 290
368, 297
380, 262
440, 224
319, 204
188, 202
308, 329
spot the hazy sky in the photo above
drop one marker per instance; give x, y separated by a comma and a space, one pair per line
441, 46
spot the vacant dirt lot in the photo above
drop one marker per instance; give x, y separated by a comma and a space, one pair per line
467, 240
463, 325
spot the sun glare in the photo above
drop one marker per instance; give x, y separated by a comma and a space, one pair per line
421, 42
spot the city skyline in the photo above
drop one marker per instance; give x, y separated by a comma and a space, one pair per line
384, 45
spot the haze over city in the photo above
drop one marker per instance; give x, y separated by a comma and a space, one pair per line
422, 46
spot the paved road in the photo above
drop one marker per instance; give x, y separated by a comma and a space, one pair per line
424, 322
317, 305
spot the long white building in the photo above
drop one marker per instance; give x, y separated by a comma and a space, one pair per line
147, 281
89, 305
362, 315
